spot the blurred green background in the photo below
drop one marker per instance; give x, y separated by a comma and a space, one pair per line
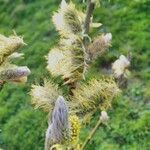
23, 128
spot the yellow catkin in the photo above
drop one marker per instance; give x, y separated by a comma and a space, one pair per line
97, 92
75, 129
56, 147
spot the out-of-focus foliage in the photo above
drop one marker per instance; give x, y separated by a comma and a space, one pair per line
22, 128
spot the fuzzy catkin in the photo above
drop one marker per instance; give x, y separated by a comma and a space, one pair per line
58, 130
67, 19
8, 45
45, 96
99, 45
14, 73
72, 21
74, 129
67, 61
95, 93
119, 66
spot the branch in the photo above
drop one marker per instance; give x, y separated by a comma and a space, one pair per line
86, 26
89, 11
103, 119
91, 134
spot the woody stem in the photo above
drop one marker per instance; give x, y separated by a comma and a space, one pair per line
91, 134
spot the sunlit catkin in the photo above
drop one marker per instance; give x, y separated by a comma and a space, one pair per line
95, 93
44, 97
8, 45
67, 20
120, 65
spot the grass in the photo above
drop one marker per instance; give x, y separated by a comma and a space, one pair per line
23, 128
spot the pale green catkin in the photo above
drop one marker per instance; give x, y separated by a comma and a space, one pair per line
8, 45
44, 97
95, 93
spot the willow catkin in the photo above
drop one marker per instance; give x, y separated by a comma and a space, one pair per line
120, 65
67, 19
72, 21
97, 92
45, 96
99, 45
15, 55
104, 117
58, 129
11, 74
8, 45
74, 129
67, 60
